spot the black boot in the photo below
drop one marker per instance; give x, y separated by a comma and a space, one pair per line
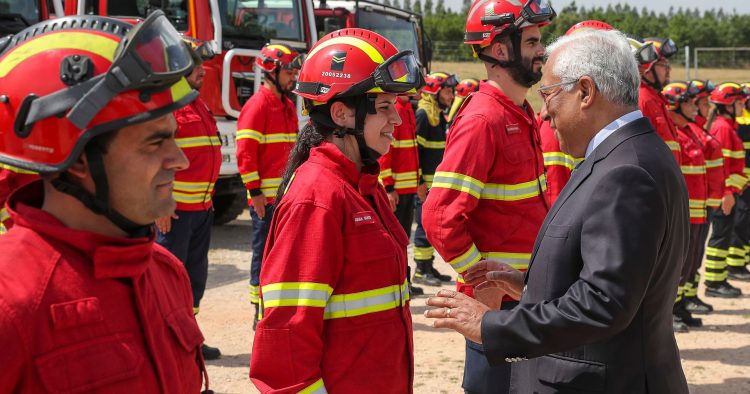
435, 273
210, 353
739, 273
696, 306
413, 290
722, 289
678, 325
423, 275
685, 316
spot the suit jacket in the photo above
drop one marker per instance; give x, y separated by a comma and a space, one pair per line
596, 315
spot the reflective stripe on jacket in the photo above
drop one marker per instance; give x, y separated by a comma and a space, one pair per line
654, 107
725, 131
399, 168
714, 166
693, 169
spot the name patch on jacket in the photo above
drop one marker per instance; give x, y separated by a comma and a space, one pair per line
512, 128
362, 218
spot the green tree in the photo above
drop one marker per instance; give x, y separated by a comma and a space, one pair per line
440, 7
417, 6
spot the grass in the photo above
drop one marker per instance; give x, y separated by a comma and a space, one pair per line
476, 70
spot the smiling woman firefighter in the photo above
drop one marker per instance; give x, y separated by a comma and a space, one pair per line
334, 297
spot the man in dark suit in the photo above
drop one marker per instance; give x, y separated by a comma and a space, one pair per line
595, 311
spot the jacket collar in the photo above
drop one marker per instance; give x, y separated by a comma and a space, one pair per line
725, 122
111, 257
329, 156
526, 113
647, 90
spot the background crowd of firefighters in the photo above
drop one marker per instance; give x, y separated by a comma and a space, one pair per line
502, 182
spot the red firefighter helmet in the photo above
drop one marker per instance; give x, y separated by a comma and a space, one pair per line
99, 75
679, 92
278, 56
466, 87
704, 88
588, 25
488, 18
664, 48
351, 62
727, 94
438, 80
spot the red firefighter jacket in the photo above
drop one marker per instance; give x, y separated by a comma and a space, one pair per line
487, 195
725, 131
198, 137
654, 107
266, 132
11, 178
85, 312
557, 164
399, 168
334, 298
700, 121
714, 166
693, 169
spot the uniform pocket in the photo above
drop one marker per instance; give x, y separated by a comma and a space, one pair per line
90, 365
572, 375
518, 152
368, 247
186, 331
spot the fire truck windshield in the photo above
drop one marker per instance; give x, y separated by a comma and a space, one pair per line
28, 10
262, 19
399, 31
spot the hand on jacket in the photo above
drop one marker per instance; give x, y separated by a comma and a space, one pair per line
164, 224
458, 312
259, 204
393, 199
488, 274
727, 203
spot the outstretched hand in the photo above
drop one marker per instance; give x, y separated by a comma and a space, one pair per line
458, 312
496, 274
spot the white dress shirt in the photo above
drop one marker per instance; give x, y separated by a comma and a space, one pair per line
611, 128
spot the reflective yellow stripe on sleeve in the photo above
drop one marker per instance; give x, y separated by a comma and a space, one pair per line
4, 214
364, 302
196, 142
295, 294
519, 261
467, 259
249, 134
713, 202
405, 180
401, 144
746, 145
673, 145
458, 182
249, 177
271, 138
715, 163
734, 154
316, 388
693, 170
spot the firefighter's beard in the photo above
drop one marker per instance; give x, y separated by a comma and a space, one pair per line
523, 72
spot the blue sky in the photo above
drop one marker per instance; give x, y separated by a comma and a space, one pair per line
741, 6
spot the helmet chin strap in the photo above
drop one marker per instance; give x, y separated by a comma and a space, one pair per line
656, 84
520, 73
99, 202
275, 79
363, 105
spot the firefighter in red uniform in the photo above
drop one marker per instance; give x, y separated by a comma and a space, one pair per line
11, 178
558, 164
714, 160
432, 125
89, 302
334, 297
682, 109
739, 250
727, 101
701, 101
187, 232
493, 169
655, 75
266, 131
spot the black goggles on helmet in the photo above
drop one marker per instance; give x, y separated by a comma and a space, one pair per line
533, 12
703, 87
204, 51
296, 63
646, 54
151, 56
668, 48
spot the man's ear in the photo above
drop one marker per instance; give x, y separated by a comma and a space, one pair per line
80, 168
588, 92
500, 51
342, 115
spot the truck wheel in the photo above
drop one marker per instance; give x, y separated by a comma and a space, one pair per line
227, 207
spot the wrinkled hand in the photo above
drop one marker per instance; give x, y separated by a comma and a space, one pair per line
164, 224
488, 274
422, 192
458, 312
727, 203
393, 199
259, 204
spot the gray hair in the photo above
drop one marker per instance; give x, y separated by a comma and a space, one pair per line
605, 57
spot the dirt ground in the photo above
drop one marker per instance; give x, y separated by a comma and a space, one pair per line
716, 358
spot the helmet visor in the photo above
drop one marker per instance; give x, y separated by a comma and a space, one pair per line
537, 11
399, 74
646, 54
296, 63
205, 51
668, 48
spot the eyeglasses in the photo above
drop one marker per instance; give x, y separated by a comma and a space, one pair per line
542, 89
